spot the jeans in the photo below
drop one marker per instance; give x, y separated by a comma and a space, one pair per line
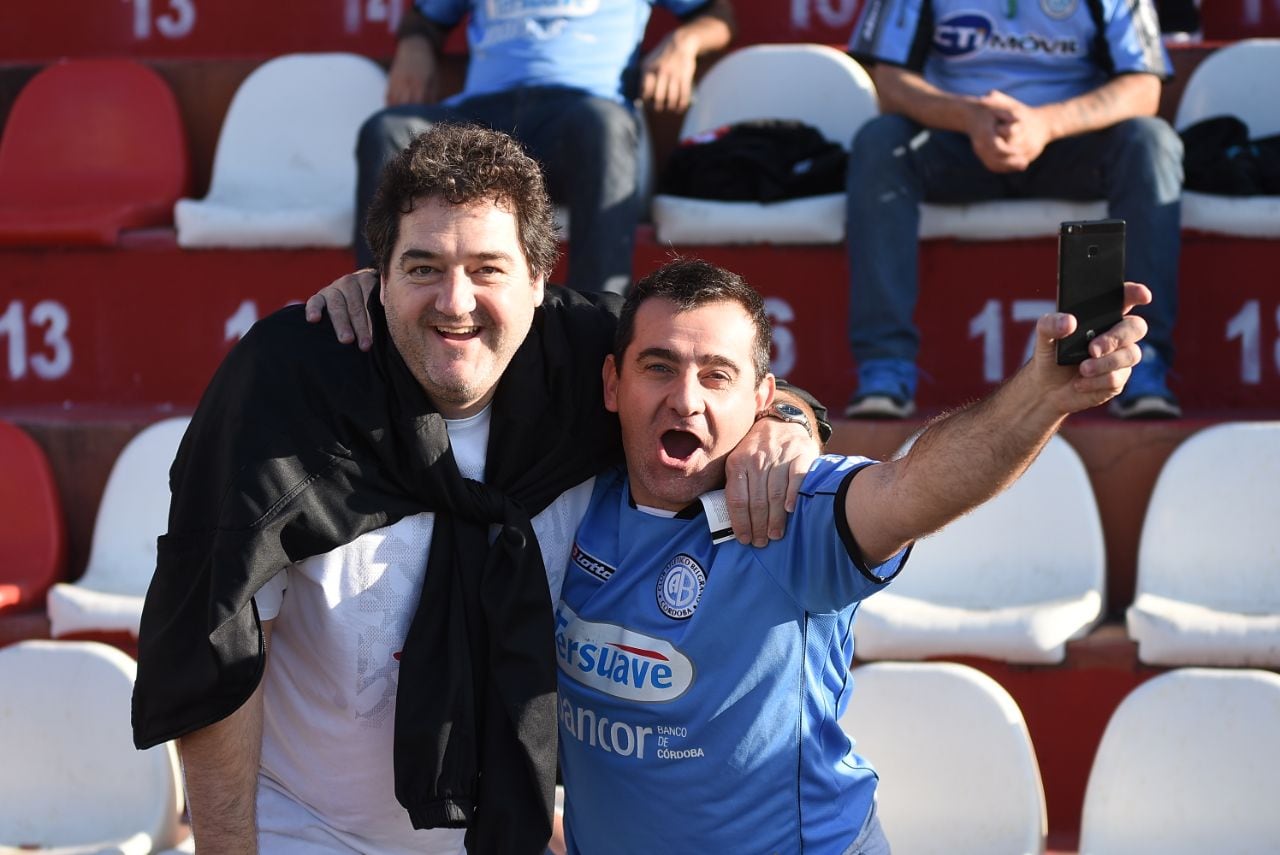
588, 150
895, 164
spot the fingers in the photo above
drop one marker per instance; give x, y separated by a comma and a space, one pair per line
361, 326
737, 498
339, 312
1135, 294
315, 307
747, 496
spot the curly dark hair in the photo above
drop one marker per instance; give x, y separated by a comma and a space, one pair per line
462, 164
691, 283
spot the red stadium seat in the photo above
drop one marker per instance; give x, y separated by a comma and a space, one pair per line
91, 147
32, 530
1228, 20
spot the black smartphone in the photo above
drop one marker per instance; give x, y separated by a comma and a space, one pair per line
1090, 282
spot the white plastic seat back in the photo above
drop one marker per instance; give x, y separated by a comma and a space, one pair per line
133, 512
1004, 219
1189, 764
782, 81
1234, 80
958, 773
284, 173
1014, 580
72, 780
1208, 585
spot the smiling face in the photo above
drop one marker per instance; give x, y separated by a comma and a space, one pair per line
686, 392
459, 298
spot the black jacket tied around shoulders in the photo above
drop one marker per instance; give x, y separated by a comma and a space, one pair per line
301, 444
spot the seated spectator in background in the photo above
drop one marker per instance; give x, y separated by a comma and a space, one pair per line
999, 99
348, 660
702, 682
562, 78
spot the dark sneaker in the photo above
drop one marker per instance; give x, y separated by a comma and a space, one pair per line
1146, 395
886, 390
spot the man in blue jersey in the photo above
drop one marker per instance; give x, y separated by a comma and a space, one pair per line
562, 77
701, 680
995, 99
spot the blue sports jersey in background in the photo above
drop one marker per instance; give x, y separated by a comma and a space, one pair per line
701, 685
580, 44
1038, 51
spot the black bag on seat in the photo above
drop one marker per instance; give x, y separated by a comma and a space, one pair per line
765, 160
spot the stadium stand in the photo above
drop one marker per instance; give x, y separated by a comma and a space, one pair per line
73, 783
1229, 20
134, 510
144, 333
958, 773
1189, 763
33, 533
1229, 82
798, 82
1014, 580
91, 147
1207, 592
284, 174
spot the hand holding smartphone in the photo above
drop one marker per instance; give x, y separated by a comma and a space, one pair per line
1090, 282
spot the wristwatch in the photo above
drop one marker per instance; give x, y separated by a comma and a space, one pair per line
790, 413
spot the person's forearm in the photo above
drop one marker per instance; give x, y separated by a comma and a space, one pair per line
909, 94
1125, 97
960, 461
414, 23
220, 767
711, 30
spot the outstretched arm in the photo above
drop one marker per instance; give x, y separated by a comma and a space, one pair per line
966, 457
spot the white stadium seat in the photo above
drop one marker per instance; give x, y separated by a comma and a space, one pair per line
780, 81
1014, 580
1208, 586
1189, 764
958, 773
284, 173
134, 511
1235, 80
73, 783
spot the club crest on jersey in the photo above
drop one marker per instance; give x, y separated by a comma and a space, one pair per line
680, 587
588, 562
1059, 10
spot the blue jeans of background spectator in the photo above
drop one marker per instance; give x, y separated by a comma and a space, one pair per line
588, 150
895, 164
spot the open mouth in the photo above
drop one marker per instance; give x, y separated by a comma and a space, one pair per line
458, 333
680, 444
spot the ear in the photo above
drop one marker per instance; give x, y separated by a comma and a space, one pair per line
765, 393
539, 290
382, 289
609, 374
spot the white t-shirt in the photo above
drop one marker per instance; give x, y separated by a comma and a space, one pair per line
327, 782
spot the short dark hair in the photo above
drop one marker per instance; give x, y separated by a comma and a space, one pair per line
691, 283
462, 164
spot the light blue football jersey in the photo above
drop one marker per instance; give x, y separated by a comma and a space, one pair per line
1038, 51
701, 684
592, 45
